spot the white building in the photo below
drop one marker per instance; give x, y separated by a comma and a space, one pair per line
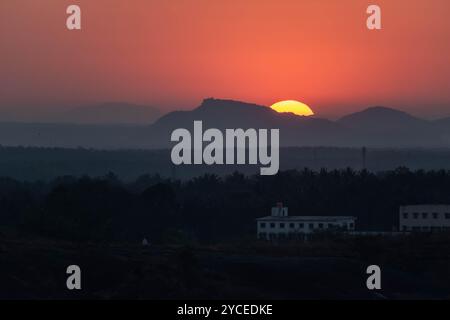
425, 218
280, 225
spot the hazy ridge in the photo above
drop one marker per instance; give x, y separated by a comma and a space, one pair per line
378, 127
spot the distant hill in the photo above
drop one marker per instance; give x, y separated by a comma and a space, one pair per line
69, 135
110, 113
222, 114
444, 122
381, 118
386, 127
122, 126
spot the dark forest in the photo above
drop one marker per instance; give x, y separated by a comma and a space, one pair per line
209, 208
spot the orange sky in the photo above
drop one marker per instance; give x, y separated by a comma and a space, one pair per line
173, 53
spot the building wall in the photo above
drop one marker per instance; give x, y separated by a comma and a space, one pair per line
275, 226
424, 218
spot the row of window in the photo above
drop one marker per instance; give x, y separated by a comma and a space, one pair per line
424, 215
292, 225
425, 228
287, 236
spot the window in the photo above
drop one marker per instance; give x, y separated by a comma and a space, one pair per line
405, 215
282, 225
292, 225
320, 225
424, 215
447, 216
416, 215
262, 224
330, 226
311, 225
405, 228
301, 225
272, 225
435, 215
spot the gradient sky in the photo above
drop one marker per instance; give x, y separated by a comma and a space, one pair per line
173, 53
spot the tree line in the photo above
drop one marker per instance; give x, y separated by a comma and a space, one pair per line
208, 208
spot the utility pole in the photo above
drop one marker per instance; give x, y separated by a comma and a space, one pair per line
364, 153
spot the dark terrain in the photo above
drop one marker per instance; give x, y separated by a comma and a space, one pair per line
202, 235
35, 269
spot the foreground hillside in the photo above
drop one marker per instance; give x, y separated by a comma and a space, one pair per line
35, 269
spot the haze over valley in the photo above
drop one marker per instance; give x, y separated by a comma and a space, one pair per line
124, 126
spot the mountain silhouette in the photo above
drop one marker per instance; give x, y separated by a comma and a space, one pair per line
373, 127
224, 114
381, 119
105, 113
443, 123
386, 127
110, 113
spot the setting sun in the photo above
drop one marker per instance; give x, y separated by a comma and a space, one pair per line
292, 106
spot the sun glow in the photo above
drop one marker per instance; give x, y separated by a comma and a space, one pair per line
292, 106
